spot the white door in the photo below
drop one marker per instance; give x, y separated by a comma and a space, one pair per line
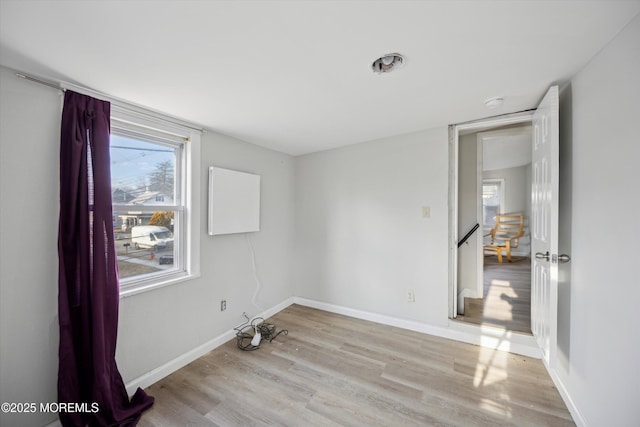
544, 224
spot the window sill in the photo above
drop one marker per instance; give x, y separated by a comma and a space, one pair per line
135, 289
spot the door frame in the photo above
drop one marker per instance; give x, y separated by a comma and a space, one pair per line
525, 117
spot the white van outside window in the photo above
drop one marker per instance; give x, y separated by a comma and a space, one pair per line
151, 236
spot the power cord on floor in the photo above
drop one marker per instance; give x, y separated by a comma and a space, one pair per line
262, 331
255, 273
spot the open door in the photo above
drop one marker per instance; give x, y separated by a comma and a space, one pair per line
544, 224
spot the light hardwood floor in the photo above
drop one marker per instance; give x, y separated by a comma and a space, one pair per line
506, 302
335, 370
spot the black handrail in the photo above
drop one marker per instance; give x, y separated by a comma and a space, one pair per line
466, 236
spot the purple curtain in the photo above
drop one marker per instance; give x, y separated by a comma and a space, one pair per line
88, 274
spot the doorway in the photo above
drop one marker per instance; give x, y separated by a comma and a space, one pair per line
492, 170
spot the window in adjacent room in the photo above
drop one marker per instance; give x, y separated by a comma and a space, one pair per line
492, 201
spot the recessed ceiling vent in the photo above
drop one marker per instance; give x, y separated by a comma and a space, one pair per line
387, 63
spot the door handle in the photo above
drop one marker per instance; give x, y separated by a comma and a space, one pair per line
563, 258
540, 255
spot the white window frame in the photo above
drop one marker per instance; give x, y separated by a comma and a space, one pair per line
153, 128
501, 183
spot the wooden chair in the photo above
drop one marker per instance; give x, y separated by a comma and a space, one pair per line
505, 235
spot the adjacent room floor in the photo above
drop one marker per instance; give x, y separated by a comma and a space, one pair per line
336, 370
507, 296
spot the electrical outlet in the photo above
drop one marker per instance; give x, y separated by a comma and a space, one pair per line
426, 212
223, 305
411, 297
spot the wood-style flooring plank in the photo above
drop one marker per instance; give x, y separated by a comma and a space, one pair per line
506, 301
333, 370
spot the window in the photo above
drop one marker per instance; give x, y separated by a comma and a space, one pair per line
492, 201
153, 216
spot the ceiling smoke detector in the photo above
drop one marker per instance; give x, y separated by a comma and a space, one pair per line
387, 63
494, 102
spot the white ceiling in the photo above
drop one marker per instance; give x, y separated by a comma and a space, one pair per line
295, 76
506, 148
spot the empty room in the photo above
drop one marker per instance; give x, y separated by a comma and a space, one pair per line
317, 213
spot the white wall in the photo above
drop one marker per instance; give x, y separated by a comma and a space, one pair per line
468, 217
516, 191
29, 205
158, 326
601, 372
155, 327
361, 241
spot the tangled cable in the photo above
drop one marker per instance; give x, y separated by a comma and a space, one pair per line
261, 331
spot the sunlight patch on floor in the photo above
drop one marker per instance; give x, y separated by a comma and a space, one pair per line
491, 367
501, 283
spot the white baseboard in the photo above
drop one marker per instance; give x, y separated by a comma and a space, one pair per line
566, 397
173, 365
493, 338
